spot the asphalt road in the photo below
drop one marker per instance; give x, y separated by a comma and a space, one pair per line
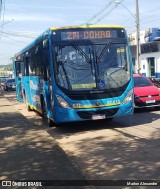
125, 148
28, 152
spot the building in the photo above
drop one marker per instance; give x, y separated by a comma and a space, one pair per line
150, 52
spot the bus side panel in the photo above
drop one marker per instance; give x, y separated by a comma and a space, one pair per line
34, 93
19, 89
26, 89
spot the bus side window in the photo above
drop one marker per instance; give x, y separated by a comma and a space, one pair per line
32, 62
27, 66
22, 68
46, 65
19, 67
25, 69
39, 65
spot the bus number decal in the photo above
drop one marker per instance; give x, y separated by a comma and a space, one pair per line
73, 35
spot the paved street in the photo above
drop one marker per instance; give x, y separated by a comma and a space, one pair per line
29, 152
73, 61
125, 148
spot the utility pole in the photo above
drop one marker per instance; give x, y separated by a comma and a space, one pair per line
138, 38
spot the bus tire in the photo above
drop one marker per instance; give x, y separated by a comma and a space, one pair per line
47, 120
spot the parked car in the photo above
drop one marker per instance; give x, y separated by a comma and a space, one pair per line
2, 81
10, 84
155, 81
146, 94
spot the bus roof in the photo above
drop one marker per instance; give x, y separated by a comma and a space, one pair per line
85, 26
40, 37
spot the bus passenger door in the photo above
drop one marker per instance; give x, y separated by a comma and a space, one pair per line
47, 90
18, 79
47, 93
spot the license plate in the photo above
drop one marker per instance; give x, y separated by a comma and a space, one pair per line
96, 117
150, 101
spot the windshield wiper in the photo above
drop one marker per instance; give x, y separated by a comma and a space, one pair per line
106, 47
82, 53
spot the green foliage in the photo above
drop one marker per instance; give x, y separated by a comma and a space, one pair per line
8, 67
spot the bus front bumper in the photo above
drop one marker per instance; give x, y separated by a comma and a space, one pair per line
73, 115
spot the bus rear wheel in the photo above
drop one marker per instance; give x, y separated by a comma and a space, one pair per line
47, 120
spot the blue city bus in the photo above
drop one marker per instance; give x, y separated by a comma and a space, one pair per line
77, 73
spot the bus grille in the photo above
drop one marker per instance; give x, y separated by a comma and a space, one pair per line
88, 114
94, 96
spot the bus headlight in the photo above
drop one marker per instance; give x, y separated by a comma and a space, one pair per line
129, 97
62, 102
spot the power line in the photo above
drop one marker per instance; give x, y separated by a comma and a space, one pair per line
15, 40
19, 35
12, 43
100, 12
143, 22
114, 6
110, 6
143, 19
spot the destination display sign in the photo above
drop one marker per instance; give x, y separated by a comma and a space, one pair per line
88, 34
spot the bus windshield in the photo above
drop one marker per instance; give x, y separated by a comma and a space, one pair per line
92, 66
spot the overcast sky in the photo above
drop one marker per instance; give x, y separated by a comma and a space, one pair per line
22, 20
